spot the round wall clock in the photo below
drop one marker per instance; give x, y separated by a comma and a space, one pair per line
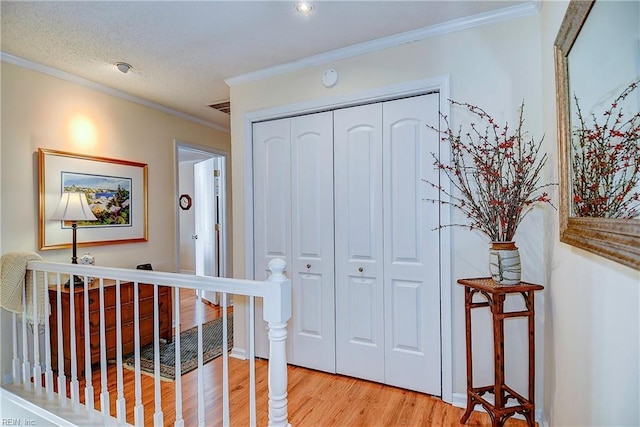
185, 202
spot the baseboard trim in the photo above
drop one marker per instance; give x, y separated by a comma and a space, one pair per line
239, 353
7, 379
460, 401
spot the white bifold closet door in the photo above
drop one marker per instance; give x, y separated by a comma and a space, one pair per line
293, 211
340, 195
359, 242
387, 256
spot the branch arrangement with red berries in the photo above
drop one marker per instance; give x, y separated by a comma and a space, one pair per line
605, 160
495, 172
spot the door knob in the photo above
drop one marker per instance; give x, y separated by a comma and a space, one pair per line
308, 266
361, 269
195, 237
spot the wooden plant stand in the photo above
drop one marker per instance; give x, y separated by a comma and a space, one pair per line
494, 296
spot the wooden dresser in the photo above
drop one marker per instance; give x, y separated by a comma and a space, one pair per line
146, 307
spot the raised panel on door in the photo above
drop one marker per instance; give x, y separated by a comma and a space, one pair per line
358, 242
411, 249
272, 208
312, 252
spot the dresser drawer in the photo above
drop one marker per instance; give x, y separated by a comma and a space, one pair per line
146, 308
128, 337
146, 322
126, 295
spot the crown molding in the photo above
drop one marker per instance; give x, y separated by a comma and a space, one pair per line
72, 78
525, 9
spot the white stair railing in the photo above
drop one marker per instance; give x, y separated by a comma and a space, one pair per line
27, 375
121, 403
178, 388
277, 310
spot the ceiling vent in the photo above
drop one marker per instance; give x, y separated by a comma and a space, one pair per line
224, 106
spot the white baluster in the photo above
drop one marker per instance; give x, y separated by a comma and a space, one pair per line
252, 362
16, 358
121, 403
88, 372
277, 310
225, 364
158, 418
75, 386
62, 379
37, 369
26, 365
178, 370
138, 409
48, 373
200, 378
105, 402
277, 374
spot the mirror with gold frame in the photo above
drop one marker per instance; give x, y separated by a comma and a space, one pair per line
582, 35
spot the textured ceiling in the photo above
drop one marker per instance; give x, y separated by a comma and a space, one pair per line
181, 51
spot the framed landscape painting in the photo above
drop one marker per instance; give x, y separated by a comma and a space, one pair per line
116, 192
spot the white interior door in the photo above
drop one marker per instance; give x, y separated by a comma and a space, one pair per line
272, 210
220, 191
312, 260
293, 214
358, 242
373, 256
411, 248
204, 212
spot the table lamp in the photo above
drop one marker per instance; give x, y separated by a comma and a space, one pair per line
73, 207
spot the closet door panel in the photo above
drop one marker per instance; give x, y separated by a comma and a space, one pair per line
358, 231
312, 267
404, 206
406, 321
272, 207
411, 266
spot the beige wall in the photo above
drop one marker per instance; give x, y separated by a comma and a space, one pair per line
36, 113
37, 110
587, 318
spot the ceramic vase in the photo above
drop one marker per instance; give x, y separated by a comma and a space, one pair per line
504, 263
87, 259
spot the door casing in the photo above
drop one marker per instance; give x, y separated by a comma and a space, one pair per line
440, 84
224, 156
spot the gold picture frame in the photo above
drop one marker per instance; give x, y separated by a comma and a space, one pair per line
105, 181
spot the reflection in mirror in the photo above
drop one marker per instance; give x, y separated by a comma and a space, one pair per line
597, 58
605, 159
605, 112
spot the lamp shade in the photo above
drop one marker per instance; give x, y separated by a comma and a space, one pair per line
73, 207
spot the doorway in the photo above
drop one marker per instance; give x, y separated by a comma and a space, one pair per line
394, 91
338, 195
201, 217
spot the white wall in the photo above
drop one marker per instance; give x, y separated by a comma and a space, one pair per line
592, 348
486, 68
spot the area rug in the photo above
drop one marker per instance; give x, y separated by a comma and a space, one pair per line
211, 346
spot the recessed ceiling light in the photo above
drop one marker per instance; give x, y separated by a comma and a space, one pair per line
123, 67
304, 7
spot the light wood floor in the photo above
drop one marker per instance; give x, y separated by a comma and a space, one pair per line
316, 399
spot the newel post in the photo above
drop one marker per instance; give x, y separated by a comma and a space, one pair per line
277, 310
